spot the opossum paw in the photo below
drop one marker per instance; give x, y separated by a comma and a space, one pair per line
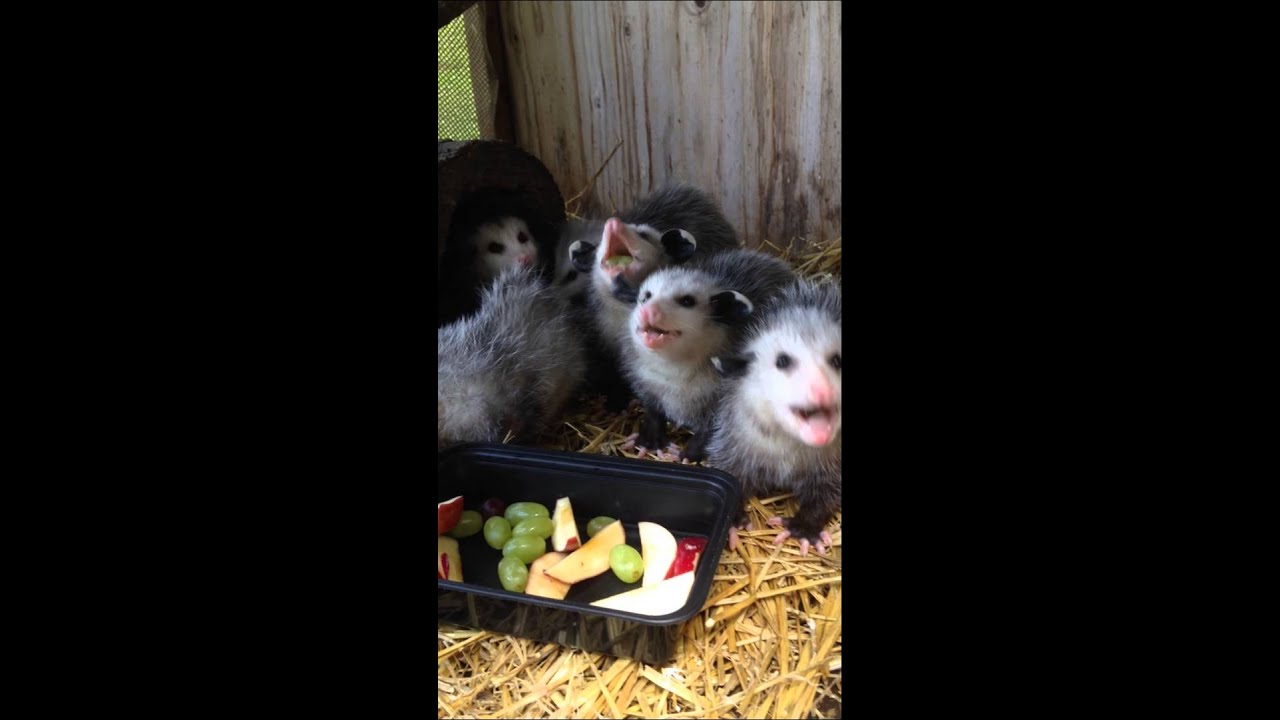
820, 541
733, 538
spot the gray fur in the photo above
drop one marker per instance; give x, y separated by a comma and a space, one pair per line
680, 384
511, 366
749, 443
681, 206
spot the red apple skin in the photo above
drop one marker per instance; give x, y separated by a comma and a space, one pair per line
448, 513
573, 544
688, 551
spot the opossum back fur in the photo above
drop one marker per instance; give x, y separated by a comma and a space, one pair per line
510, 366
684, 207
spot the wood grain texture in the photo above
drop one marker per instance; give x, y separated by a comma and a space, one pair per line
741, 98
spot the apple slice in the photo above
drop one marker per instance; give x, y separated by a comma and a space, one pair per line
658, 547
664, 598
544, 585
448, 561
448, 514
564, 535
687, 554
591, 559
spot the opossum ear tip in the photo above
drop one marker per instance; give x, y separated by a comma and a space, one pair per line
731, 306
732, 366
679, 244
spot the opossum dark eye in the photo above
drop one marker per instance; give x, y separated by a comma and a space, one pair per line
647, 296
835, 361
495, 248
522, 238
784, 361
686, 301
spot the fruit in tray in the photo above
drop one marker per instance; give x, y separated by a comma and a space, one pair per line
544, 585
591, 559
626, 563
448, 561
448, 513
468, 525
663, 598
525, 510
539, 526
564, 535
687, 553
491, 507
497, 531
597, 524
513, 575
659, 547
526, 547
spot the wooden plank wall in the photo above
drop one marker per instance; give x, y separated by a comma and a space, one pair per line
742, 98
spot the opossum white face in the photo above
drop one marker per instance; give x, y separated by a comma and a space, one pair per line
681, 315
502, 244
793, 376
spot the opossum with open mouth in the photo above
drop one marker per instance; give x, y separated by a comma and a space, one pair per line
684, 317
510, 366
778, 422
484, 252
674, 224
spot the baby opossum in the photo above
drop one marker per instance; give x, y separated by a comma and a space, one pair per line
683, 318
674, 224
485, 252
501, 244
778, 422
511, 366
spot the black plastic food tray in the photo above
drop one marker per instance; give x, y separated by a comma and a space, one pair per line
687, 500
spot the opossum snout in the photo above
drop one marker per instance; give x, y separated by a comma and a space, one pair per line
821, 392
525, 260
650, 315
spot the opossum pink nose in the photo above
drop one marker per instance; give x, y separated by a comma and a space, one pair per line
650, 315
821, 392
526, 260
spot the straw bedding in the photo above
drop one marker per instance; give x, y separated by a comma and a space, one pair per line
767, 644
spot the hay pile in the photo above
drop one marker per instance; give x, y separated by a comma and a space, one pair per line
767, 644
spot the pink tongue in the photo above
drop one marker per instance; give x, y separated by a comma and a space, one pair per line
817, 430
653, 339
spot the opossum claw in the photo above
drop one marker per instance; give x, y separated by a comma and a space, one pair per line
782, 537
775, 521
826, 538
804, 546
733, 538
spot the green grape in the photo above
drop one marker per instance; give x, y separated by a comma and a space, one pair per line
539, 526
513, 574
626, 563
468, 525
525, 510
497, 531
526, 547
598, 524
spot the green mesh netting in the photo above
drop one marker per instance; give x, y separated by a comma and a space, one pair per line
466, 82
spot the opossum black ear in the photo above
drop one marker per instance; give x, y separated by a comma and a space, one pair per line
730, 307
580, 254
731, 367
679, 244
623, 291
